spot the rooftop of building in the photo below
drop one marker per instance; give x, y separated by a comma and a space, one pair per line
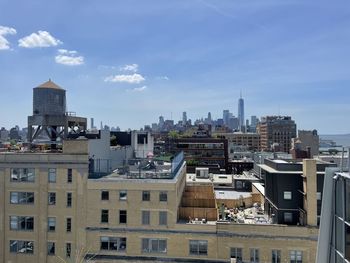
50, 85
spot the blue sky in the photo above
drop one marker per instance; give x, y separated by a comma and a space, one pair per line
127, 62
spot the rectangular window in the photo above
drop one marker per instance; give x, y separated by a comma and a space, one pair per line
52, 198
69, 175
163, 218
276, 256
68, 250
146, 216
104, 195
113, 243
51, 224
163, 196
69, 224
20, 246
146, 195
22, 223
296, 256
236, 252
104, 216
287, 195
288, 217
198, 247
254, 255
318, 196
21, 197
123, 194
52, 175
122, 216
22, 175
154, 245
51, 248
69, 199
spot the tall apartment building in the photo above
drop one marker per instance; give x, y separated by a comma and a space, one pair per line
50, 209
287, 189
309, 139
276, 130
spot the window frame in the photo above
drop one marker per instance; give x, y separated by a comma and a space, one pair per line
123, 195
51, 228
49, 196
163, 218
197, 244
145, 217
104, 216
21, 173
104, 195
163, 194
287, 195
52, 175
68, 224
146, 196
52, 251
121, 243
123, 216
69, 175
148, 245
69, 201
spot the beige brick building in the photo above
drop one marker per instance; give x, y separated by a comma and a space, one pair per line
49, 208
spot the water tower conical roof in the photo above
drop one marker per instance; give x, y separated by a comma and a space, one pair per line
49, 85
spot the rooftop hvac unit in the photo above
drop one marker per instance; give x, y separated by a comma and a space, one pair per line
202, 172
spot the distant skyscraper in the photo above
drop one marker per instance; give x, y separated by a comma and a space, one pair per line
92, 123
184, 118
241, 113
253, 121
226, 116
209, 116
161, 122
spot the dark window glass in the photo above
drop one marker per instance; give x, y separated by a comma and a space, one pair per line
69, 175
276, 256
146, 195
69, 199
122, 216
69, 224
52, 198
236, 252
22, 175
123, 195
51, 248
51, 224
113, 243
198, 247
163, 218
68, 250
339, 200
104, 216
146, 217
163, 196
105, 195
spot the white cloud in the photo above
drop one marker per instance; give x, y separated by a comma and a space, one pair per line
132, 79
40, 39
69, 58
131, 67
4, 30
140, 89
163, 78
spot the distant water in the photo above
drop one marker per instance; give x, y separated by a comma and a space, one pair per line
340, 140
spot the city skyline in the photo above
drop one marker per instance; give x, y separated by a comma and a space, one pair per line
136, 61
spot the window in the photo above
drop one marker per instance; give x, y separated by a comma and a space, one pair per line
236, 252
22, 197
22, 175
154, 245
52, 198
68, 250
163, 196
69, 199
20, 246
287, 195
52, 175
69, 175
21, 222
318, 196
51, 248
163, 218
288, 217
51, 223
105, 195
123, 195
69, 224
146, 195
113, 243
198, 247
254, 255
276, 256
296, 256
122, 216
146, 217
104, 216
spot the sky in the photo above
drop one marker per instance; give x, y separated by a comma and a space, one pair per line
125, 63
